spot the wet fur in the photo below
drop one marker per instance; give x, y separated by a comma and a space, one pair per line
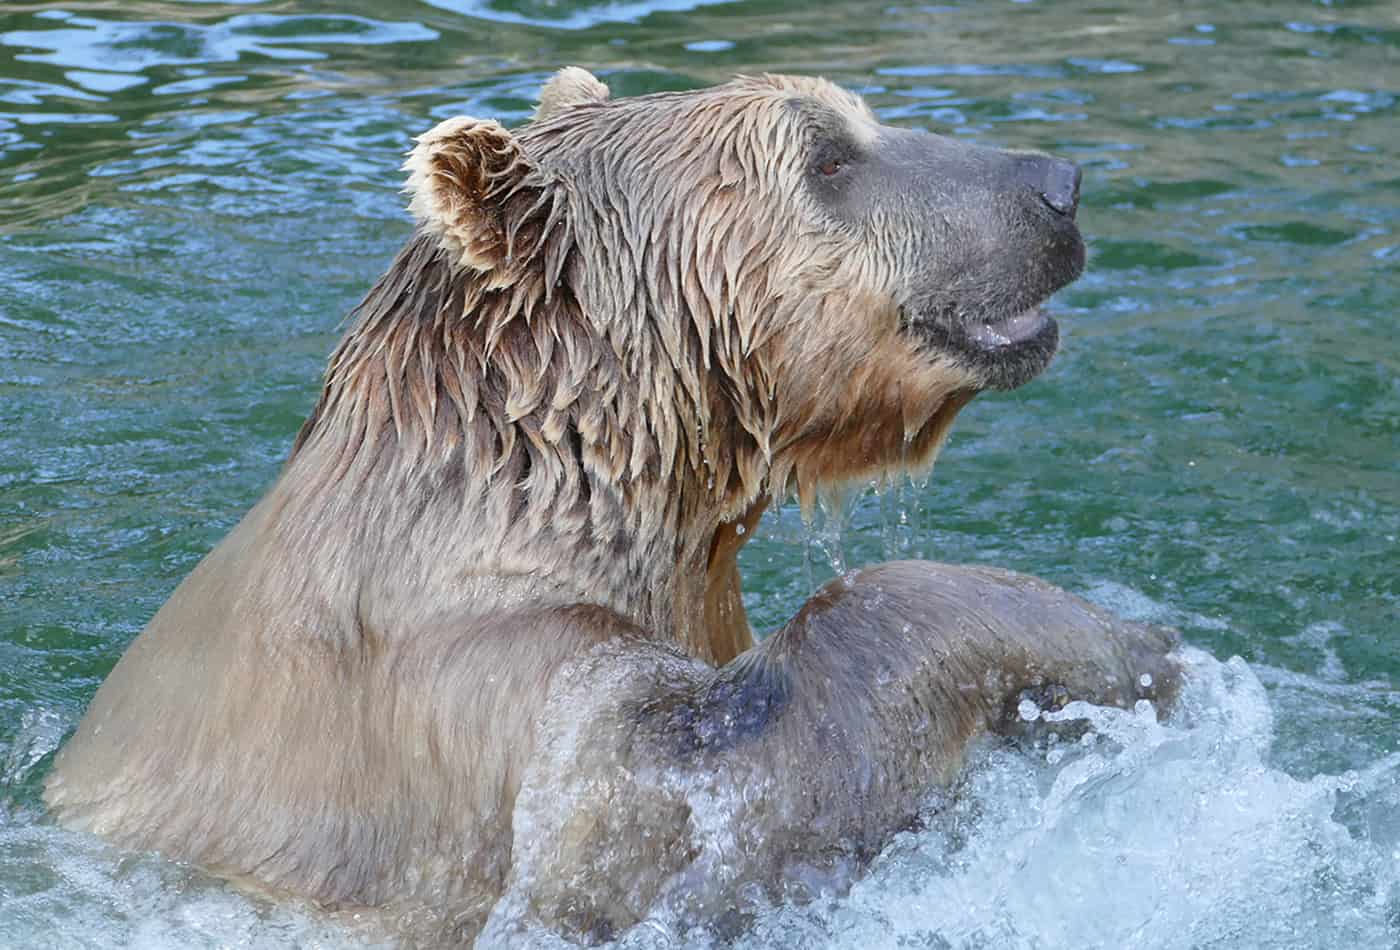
515, 510
663, 781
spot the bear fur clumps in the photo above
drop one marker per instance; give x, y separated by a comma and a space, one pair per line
483, 644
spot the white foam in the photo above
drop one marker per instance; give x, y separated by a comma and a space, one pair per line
1165, 836
60, 889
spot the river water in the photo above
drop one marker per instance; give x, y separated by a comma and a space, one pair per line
192, 194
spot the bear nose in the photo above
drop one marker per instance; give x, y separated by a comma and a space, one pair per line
1059, 186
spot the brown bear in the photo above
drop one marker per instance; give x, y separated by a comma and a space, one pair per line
484, 636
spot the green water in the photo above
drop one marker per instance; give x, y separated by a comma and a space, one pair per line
192, 194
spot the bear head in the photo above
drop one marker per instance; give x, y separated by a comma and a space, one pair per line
800, 295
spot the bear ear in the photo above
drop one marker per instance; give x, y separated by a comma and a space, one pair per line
461, 175
570, 87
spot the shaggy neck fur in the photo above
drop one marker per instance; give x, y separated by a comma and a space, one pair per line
507, 403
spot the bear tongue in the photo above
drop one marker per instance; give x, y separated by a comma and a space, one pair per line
1010, 330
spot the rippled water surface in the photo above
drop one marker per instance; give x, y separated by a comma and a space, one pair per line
192, 194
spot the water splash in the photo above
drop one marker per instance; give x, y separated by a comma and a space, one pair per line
40, 730
1173, 835
823, 537
902, 515
66, 890
1108, 828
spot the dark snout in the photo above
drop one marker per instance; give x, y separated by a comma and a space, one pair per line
1055, 180
998, 236
947, 170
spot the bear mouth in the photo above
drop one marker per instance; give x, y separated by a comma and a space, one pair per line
1003, 339
1004, 352
1022, 327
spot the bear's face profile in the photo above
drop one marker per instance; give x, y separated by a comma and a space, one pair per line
811, 293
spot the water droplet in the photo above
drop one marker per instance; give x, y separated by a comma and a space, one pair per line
1028, 710
1145, 680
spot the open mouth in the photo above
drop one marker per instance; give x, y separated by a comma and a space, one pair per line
992, 320
1008, 331
1005, 352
